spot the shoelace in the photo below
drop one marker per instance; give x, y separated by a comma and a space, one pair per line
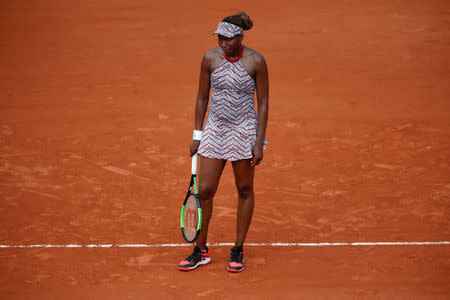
236, 255
195, 255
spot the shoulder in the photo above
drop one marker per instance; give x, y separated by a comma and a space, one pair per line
212, 58
212, 54
255, 57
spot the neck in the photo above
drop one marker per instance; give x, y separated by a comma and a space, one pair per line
236, 55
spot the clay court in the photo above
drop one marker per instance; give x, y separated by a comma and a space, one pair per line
97, 110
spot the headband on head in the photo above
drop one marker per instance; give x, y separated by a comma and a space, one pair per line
228, 30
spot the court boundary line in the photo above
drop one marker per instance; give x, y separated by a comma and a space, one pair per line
226, 244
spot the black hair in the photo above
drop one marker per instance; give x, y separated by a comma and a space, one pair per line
240, 19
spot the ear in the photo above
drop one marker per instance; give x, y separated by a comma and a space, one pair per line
241, 37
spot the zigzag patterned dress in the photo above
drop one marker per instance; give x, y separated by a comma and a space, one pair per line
231, 127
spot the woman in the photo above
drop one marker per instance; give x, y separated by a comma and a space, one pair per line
233, 130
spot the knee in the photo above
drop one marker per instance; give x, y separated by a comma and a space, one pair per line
245, 191
205, 192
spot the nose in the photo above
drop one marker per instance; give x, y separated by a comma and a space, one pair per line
225, 46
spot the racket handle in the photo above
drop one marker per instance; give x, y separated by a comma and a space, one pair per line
194, 164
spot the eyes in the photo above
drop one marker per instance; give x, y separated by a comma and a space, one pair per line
224, 38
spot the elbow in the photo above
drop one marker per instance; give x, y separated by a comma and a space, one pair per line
263, 105
201, 100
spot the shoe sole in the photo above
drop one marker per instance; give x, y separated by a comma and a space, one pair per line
202, 263
235, 270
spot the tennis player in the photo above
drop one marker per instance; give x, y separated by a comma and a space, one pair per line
233, 131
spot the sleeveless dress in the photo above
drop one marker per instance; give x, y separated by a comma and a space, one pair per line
231, 127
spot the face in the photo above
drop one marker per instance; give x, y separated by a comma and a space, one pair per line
230, 45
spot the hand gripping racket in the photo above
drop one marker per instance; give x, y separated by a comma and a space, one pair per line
191, 213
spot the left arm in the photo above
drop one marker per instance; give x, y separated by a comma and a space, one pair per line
262, 94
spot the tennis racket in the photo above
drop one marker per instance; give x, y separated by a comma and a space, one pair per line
191, 212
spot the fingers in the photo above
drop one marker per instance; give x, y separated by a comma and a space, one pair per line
256, 161
193, 147
257, 156
192, 151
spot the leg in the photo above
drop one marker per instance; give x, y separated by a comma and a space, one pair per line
243, 174
209, 176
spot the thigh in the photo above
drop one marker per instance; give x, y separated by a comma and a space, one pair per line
243, 173
209, 174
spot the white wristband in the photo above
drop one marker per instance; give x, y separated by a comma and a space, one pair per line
197, 135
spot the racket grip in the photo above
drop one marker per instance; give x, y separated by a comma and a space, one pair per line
194, 164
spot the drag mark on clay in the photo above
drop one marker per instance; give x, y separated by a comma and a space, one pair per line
385, 166
123, 172
118, 170
42, 194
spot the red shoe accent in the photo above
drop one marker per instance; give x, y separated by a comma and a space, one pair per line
236, 265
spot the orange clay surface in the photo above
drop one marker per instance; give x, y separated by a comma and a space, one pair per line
97, 109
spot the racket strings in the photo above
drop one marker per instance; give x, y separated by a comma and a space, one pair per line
191, 218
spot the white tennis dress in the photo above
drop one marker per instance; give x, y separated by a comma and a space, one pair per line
231, 127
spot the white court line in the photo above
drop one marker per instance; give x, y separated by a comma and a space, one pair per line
228, 244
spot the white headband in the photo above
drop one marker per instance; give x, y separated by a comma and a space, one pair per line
228, 30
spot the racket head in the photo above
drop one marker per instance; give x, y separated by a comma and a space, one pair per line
191, 218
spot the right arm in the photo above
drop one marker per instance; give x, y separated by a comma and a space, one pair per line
202, 100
